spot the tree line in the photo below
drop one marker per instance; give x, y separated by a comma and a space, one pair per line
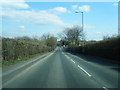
25, 46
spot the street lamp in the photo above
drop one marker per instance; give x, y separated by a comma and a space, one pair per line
82, 24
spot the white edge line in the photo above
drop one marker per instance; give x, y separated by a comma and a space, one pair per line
85, 71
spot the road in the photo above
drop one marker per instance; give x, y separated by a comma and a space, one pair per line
60, 69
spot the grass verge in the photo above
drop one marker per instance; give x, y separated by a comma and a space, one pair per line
8, 63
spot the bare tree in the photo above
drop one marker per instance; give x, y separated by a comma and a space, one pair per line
49, 40
74, 34
45, 36
105, 37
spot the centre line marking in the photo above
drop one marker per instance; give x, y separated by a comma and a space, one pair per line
85, 71
72, 61
70, 58
105, 88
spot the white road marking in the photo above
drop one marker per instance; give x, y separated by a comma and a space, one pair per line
79, 66
70, 58
85, 71
105, 88
72, 61
67, 57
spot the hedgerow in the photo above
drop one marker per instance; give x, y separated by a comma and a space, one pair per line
13, 49
104, 48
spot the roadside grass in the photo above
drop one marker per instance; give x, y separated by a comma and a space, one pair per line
11, 62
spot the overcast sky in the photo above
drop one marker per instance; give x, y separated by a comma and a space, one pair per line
36, 18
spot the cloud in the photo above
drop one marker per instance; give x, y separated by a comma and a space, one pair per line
98, 32
31, 16
59, 10
21, 27
86, 26
115, 4
13, 34
84, 8
19, 4
10, 12
75, 6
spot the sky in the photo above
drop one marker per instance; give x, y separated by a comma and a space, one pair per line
34, 19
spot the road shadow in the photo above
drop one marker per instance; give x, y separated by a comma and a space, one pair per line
101, 61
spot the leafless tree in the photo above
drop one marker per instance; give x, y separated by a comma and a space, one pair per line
49, 40
74, 34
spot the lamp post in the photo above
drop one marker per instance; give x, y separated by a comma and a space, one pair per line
82, 24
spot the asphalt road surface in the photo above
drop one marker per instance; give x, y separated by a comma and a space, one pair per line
60, 69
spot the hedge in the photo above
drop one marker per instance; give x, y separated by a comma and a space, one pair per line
106, 48
13, 49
